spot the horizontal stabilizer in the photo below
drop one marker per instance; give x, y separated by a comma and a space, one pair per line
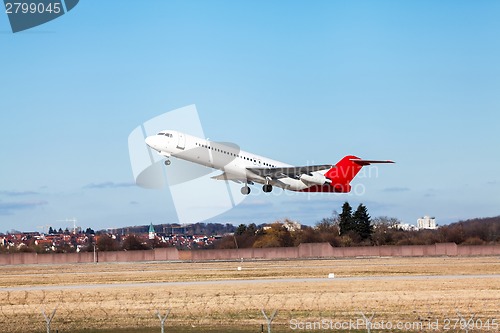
368, 162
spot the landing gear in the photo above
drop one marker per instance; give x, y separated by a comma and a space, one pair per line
267, 188
245, 190
167, 162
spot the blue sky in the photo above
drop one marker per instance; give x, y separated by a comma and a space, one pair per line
303, 82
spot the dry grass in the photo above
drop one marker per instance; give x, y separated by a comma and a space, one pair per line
217, 304
69, 274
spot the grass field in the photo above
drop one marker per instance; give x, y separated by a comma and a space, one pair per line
435, 292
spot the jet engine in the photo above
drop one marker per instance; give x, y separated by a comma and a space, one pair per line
313, 179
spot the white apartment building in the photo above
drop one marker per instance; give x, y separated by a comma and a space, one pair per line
426, 222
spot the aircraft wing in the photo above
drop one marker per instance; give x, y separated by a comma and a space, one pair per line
229, 176
292, 172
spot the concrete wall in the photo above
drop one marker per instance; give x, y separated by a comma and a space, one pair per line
325, 250
85, 257
478, 250
308, 250
235, 254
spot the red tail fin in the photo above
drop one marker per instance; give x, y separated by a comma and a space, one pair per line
343, 172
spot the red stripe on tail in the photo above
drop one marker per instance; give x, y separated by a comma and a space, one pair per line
343, 172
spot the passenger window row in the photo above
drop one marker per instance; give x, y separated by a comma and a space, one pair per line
231, 154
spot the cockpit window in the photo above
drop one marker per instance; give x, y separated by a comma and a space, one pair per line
168, 135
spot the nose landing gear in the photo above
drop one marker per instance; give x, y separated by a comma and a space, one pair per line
245, 190
167, 162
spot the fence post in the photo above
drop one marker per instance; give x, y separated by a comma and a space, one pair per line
48, 319
466, 324
162, 319
368, 321
269, 319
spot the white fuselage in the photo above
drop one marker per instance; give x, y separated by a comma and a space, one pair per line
225, 157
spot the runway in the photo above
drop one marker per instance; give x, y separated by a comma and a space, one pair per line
250, 281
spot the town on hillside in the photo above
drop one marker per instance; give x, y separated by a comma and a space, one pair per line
131, 238
349, 228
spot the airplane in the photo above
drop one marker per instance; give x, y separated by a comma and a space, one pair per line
248, 168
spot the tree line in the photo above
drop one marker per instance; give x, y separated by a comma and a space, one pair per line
358, 229
349, 228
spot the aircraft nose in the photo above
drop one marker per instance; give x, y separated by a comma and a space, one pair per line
150, 141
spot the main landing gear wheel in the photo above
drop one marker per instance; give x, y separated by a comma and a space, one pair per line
267, 188
167, 162
245, 190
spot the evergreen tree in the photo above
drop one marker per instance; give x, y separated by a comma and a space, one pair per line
346, 222
51, 231
240, 230
252, 229
362, 222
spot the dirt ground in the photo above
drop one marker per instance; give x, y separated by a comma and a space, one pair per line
410, 294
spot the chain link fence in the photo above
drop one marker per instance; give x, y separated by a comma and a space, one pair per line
78, 310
